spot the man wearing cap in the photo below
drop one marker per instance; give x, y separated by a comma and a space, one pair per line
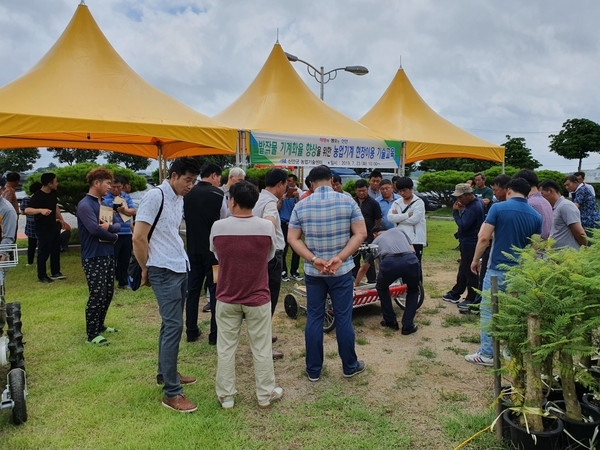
468, 213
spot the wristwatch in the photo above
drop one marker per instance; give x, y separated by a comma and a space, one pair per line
313, 259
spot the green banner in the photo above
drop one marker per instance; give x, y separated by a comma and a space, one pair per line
290, 150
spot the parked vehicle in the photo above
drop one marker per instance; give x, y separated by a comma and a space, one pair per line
345, 174
431, 202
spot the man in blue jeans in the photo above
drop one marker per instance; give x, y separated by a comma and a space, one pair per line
286, 205
511, 223
327, 218
165, 264
124, 209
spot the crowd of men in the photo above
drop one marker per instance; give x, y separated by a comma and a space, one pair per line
489, 236
237, 243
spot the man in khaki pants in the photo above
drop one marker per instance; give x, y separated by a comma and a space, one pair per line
244, 245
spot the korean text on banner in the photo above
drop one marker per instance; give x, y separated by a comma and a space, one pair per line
281, 149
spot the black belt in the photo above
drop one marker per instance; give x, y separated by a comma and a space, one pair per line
392, 255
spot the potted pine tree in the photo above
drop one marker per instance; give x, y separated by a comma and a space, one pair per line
572, 321
518, 325
547, 315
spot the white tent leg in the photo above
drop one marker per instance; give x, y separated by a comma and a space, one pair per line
240, 155
403, 159
162, 164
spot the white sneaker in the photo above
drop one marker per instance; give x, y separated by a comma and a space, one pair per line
478, 358
296, 276
284, 277
227, 402
275, 395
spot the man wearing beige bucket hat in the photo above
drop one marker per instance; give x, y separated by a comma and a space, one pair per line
468, 213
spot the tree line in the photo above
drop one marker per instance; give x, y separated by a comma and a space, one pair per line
23, 159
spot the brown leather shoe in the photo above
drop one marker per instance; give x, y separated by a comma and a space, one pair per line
179, 403
183, 380
186, 380
273, 339
277, 355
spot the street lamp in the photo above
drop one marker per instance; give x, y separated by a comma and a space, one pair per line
325, 77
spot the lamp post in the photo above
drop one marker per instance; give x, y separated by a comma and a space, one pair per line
325, 77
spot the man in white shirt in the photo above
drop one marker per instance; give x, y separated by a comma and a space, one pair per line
235, 175
581, 177
408, 213
165, 264
266, 208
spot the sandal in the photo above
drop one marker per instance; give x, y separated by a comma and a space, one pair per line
110, 330
98, 340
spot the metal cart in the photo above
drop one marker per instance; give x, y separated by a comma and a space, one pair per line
11, 346
363, 296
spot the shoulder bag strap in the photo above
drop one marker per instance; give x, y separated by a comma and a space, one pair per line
408, 206
158, 215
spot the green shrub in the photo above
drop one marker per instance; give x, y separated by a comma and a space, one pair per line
441, 184
72, 186
552, 175
493, 172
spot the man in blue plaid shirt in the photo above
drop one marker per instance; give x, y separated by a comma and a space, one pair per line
333, 229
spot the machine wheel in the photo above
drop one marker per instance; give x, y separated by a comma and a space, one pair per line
291, 306
16, 379
329, 320
401, 301
15, 336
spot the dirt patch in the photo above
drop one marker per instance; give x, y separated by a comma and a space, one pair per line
416, 379
429, 364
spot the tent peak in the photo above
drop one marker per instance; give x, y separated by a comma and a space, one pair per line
82, 2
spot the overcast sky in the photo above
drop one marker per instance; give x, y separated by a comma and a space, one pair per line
490, 67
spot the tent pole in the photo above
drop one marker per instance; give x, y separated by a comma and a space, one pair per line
237, 149
240, 155
161, 163
403, 159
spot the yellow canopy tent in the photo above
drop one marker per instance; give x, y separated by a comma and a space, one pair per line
402, 114
82, 94
290, 125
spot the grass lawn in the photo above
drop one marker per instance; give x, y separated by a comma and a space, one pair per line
81, 396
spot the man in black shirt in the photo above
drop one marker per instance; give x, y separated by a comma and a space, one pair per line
371, 211
201, 208
48, 221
